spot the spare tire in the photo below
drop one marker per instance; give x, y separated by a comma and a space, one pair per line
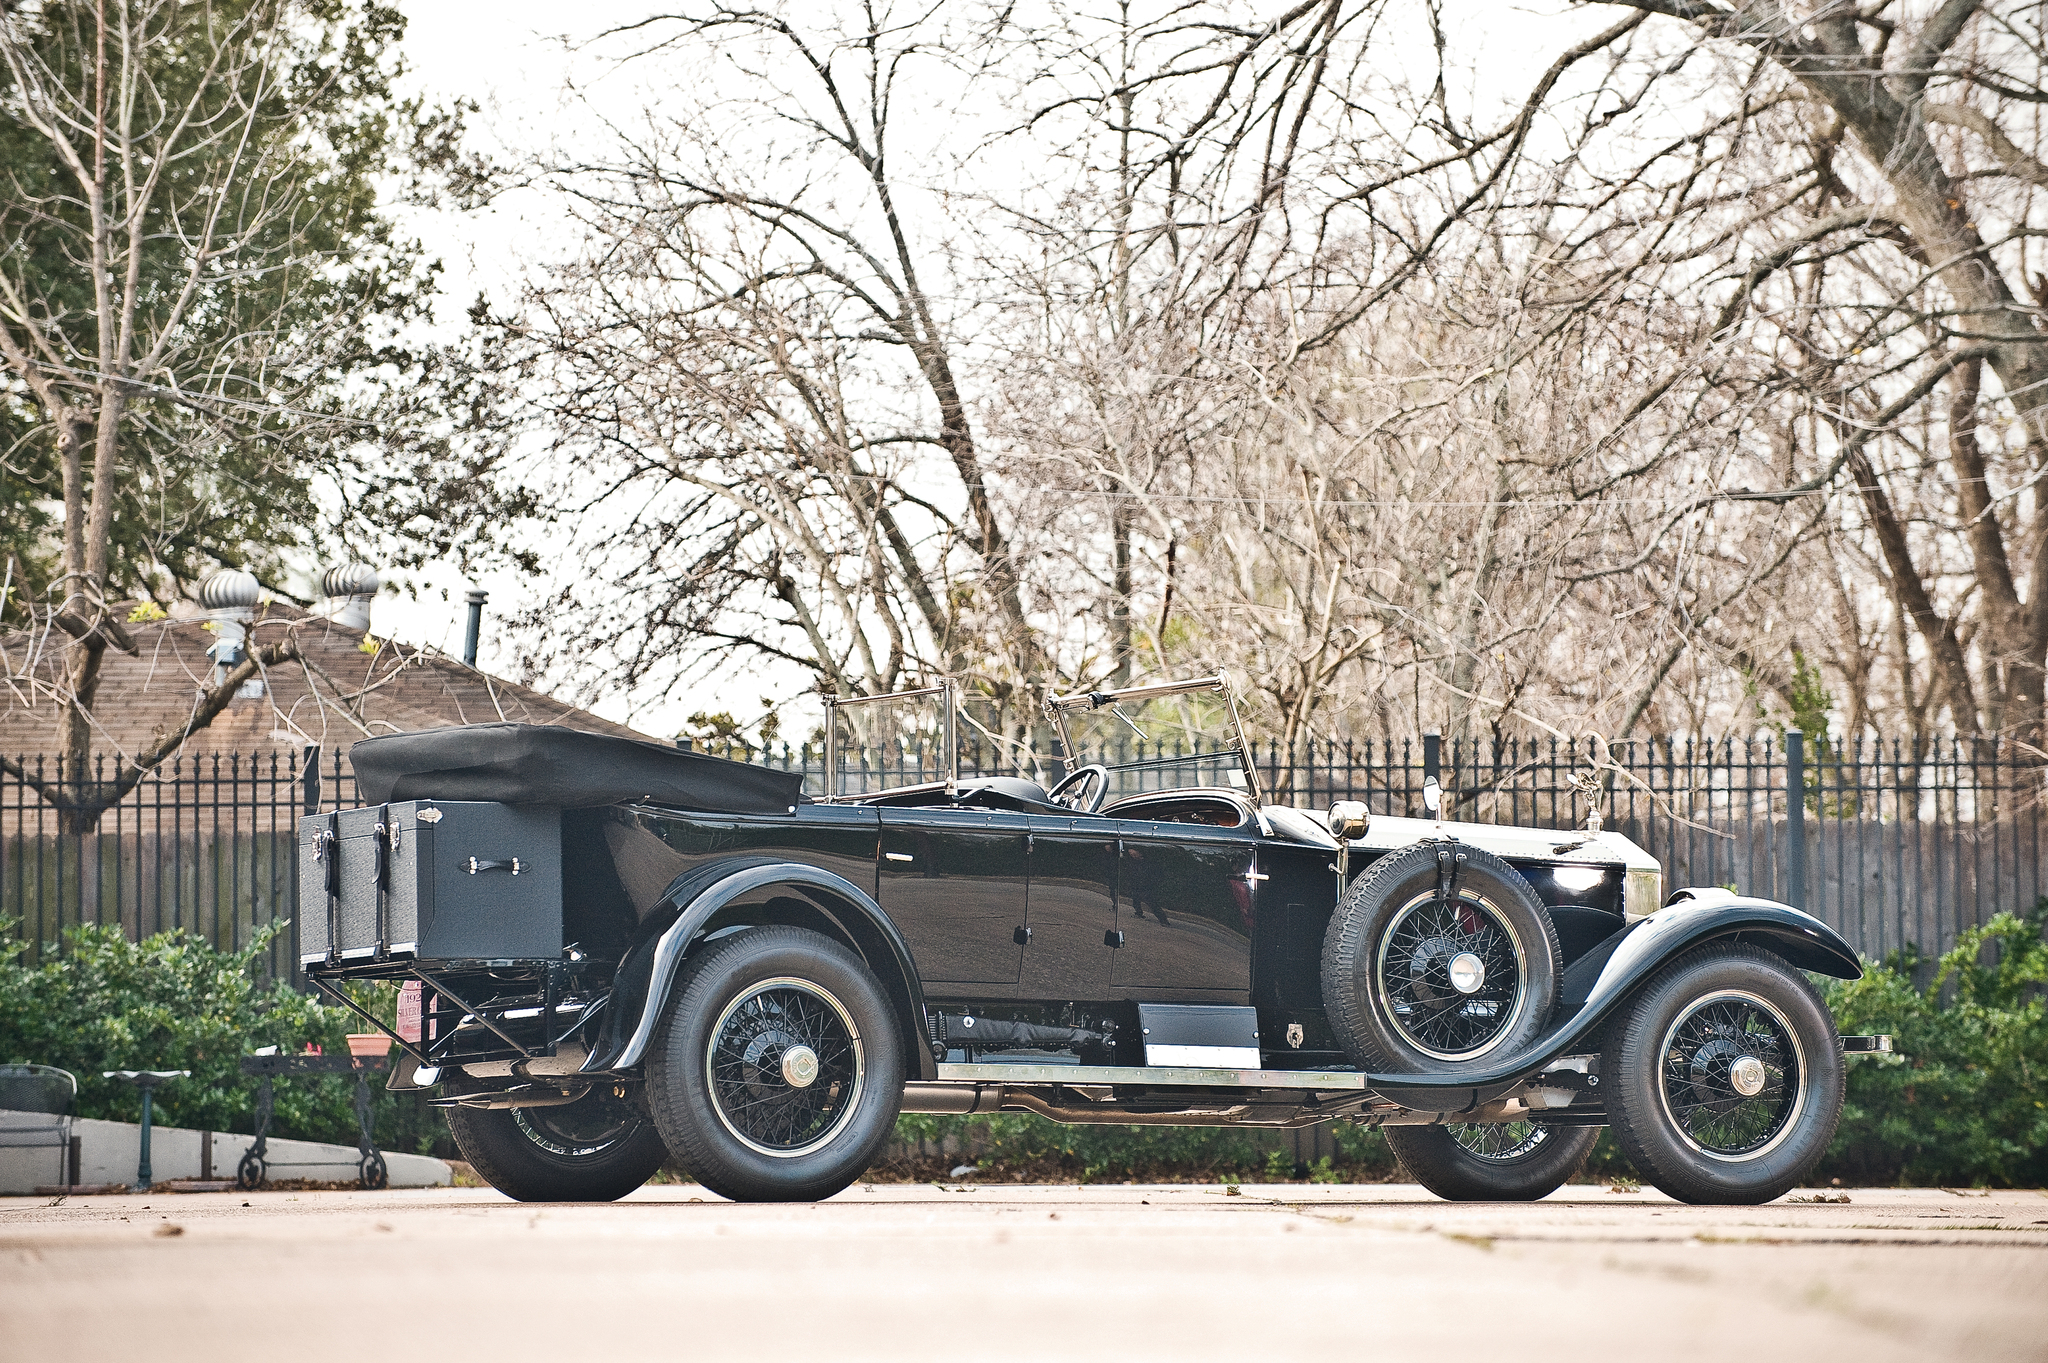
1437, 956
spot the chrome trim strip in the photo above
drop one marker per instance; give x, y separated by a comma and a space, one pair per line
1202, 1057
1069, 1075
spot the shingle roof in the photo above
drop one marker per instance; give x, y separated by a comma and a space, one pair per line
341, 693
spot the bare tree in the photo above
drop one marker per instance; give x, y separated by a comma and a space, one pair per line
1620, 403
1861, 209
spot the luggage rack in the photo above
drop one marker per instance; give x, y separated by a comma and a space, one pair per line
482, 1002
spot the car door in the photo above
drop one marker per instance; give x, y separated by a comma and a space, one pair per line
1071, 909
953, 881
1186, 906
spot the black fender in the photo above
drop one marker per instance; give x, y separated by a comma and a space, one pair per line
1603, 979
640, 990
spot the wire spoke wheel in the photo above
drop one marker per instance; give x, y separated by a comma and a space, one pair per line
594, 1149
1731, 1075
785, 1066
589, 1126
1500, 1143
1439, 954
1451, 974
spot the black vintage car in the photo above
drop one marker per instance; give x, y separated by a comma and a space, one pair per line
614, 954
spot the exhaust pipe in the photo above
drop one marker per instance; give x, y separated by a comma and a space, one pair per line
492, 1100
952, 1098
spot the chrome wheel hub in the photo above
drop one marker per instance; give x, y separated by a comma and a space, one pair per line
799, 1066
1746, 1076
1468, 973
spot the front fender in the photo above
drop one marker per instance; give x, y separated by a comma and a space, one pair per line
1604, 978
641, 988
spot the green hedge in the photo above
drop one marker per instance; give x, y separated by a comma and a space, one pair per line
1031, 1148
1965, 1101
174, 1002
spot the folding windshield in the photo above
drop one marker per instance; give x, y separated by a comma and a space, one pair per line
901, 741
1173, 736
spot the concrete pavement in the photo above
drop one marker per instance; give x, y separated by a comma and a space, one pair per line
1050, 1272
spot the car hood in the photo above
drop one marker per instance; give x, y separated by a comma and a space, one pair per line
1387, 833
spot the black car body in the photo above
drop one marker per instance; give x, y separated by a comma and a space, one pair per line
1165, 957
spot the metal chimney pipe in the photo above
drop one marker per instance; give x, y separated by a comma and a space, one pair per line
477, 597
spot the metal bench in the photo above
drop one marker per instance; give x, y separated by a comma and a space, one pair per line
36, 1103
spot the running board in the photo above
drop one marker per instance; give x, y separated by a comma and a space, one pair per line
1151, 1075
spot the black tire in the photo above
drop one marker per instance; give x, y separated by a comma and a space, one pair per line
719, 1071
1386, 958
596, 1149
1513, 1162
1674, 1096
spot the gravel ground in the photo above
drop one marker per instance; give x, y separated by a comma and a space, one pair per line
1054, 1272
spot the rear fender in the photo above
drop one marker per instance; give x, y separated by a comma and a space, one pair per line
1604, 978
641, 989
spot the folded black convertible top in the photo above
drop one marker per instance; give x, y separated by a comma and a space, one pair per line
544, 764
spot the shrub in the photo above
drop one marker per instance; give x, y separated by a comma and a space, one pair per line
175, 1002
1965, 1100
1023, 1145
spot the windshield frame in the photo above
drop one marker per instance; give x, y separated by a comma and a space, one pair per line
1057, 708
949, 762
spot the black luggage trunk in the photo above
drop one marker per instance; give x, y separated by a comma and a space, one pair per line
431, 880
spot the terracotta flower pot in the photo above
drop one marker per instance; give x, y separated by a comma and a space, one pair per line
371, 1045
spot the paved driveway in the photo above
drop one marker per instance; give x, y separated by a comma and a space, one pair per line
1123, 1273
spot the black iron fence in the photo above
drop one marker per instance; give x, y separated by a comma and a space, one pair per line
1894, 844
207, 843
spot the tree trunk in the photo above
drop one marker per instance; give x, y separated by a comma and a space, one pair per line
1120, 593
1951, 671
2012, 653
1471, 615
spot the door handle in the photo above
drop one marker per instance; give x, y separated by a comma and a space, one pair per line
898, 856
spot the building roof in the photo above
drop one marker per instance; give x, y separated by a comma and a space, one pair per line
343, 691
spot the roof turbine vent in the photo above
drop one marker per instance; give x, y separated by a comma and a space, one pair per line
230, 596
351, 588
231, 589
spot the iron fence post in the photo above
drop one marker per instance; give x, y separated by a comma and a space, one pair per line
1795, 818
310, 780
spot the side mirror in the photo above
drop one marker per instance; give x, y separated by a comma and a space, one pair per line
1348, 819
1432, 795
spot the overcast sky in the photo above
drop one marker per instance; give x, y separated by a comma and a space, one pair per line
505, 56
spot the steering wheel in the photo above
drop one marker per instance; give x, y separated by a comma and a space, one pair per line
1083, 790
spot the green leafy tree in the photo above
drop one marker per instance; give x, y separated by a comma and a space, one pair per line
203, 306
